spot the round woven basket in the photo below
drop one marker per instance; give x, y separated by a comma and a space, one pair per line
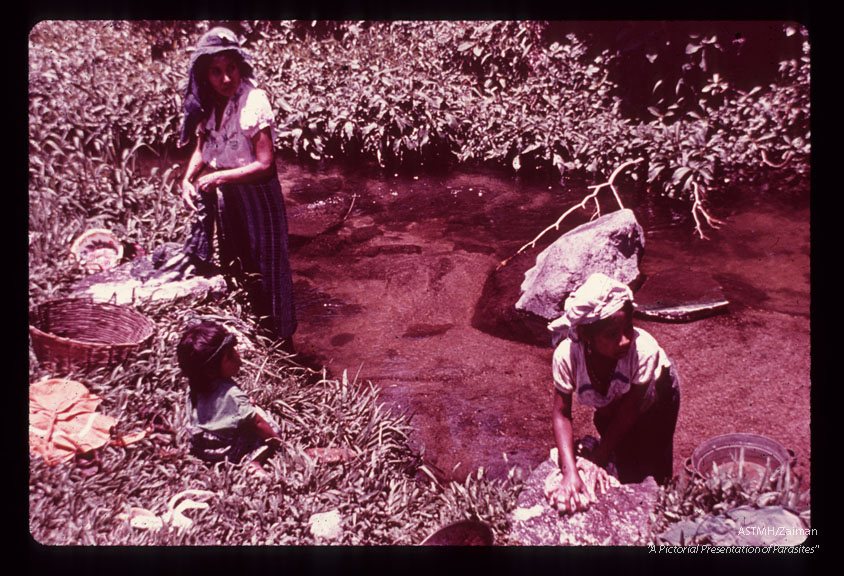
97, 249
79, 334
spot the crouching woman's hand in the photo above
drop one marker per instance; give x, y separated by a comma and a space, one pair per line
569, 494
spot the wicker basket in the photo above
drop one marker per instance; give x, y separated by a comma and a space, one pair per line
79, 334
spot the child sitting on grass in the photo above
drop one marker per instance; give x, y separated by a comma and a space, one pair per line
222, 421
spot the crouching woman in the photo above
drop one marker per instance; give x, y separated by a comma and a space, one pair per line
621, 372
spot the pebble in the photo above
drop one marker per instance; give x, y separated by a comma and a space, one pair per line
326, 525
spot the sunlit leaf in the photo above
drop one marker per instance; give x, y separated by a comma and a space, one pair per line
680, 174
530, 149
349, 130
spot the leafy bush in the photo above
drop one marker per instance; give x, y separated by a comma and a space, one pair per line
90, 113
376, 95
708, 128
417, 95
414, 94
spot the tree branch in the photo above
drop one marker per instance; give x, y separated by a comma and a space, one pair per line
592, 196
698, 207
785, 159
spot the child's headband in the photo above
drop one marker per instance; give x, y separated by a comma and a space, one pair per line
228, 340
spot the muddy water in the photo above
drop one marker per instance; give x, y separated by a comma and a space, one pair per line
390, 294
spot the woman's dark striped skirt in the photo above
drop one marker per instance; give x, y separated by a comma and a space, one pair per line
252, 232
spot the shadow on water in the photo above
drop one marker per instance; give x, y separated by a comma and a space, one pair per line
393, 288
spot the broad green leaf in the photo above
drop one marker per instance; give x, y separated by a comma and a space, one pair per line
680, 174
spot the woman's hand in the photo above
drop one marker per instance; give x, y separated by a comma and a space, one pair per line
195, 164
597, 479
571, 495
207, 182
261, 168
189, 194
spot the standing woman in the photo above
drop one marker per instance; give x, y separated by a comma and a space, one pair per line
624, 374
231, 179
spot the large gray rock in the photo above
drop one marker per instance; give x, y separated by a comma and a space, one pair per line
612, 244
620, 517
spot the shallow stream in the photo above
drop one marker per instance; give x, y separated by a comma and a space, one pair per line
391, 294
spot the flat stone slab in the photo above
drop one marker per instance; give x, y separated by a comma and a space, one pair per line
680, 295
314, 206
619, 518
313, 219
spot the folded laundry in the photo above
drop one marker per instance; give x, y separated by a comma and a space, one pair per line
63, 420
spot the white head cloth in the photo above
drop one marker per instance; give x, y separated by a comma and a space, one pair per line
597, 298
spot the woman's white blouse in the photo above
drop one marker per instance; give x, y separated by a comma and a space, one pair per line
246, 113
642, 366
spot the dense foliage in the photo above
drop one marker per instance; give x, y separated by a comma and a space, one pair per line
104, 116
410, 95
695, 498
510, 94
